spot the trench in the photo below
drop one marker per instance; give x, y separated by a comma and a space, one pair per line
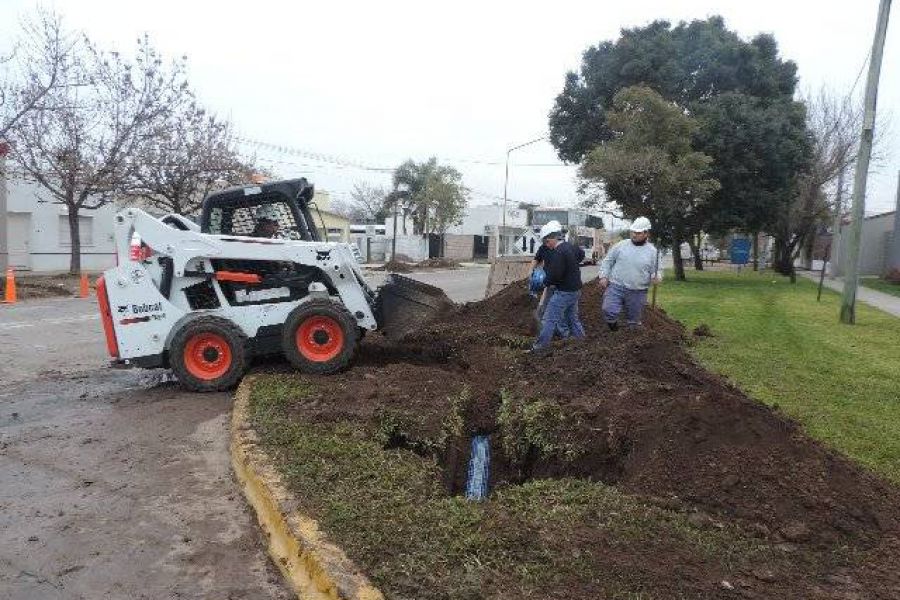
512, 444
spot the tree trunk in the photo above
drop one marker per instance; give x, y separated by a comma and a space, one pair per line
75, 237
756, 251
784, 258
695, 252
677, 261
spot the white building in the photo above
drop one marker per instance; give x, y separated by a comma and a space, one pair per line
34, 231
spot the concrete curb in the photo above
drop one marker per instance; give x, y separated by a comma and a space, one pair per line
315, 568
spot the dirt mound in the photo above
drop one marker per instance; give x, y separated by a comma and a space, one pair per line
438, 263
629, 408
395, 266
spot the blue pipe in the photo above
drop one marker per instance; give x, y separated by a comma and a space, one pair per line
479, 468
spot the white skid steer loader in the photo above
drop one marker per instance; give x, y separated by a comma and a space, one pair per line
254, 279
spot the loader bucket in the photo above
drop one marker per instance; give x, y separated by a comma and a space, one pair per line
405, 305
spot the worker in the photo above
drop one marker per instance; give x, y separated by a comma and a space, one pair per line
266, 222
626, 272
537, 284
563, 278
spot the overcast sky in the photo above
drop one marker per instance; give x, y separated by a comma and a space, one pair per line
374, 83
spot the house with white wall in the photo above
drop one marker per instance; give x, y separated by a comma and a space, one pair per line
34, 230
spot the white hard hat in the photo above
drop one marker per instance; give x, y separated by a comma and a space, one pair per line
268, 212
640, 224
551, 228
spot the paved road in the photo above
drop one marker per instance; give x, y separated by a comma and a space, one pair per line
44, 337
117, 484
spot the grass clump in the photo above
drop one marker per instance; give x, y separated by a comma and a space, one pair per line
535, 428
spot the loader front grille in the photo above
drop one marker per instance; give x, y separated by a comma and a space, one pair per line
201, 296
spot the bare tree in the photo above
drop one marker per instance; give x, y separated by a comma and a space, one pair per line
833, 123
366, 204
33, 69
81, 152
192, 155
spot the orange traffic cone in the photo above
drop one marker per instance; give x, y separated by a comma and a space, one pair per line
9, 296
84, 288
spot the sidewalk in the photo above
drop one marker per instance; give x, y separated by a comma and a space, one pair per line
880, 300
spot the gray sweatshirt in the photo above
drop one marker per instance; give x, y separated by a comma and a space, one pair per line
630, 265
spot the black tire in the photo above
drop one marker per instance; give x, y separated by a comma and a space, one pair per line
209, 354
329, 340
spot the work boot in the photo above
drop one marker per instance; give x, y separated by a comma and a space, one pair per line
613, 326
535, 351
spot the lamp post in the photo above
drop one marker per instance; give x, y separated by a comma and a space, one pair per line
506, 185
402, 189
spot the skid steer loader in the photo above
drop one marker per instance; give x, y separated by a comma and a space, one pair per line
255, 278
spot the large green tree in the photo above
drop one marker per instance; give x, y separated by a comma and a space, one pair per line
760, 146
649, 168
740, 91
436, 197
689, 63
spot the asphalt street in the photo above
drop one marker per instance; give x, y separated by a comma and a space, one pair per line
117, 484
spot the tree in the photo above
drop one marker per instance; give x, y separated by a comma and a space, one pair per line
33, 70
708, 71
760, 146
688, 64
367, 204
191, 155
436, 198
82, 152
649, 169
833, 124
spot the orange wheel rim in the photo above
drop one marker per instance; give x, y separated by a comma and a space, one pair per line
207, 356
320, 338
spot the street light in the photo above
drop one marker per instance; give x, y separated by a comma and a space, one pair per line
401, 189
506, 184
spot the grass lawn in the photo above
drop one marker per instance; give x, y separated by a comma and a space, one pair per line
880, 285
782, 347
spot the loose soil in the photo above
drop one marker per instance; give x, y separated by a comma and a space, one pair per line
394, 266
629, 409
438, 263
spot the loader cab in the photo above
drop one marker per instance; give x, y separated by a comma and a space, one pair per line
239, 210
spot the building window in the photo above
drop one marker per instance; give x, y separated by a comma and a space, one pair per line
85, 230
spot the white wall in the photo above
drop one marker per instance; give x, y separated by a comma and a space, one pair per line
47, 227
478, 218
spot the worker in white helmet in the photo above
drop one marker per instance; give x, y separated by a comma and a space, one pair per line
266, 221
563, 277
626, 273
542, 256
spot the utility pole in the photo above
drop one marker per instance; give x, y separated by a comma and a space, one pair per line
851, 276
893, 263
836, 239
402, 189
506, 185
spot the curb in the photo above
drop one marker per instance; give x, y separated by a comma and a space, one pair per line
313, 567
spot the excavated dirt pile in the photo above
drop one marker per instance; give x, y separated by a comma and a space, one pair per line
629, 408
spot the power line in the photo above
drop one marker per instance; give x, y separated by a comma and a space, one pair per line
861, 69
355, 164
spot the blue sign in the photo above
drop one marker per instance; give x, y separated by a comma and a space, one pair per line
740, 251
